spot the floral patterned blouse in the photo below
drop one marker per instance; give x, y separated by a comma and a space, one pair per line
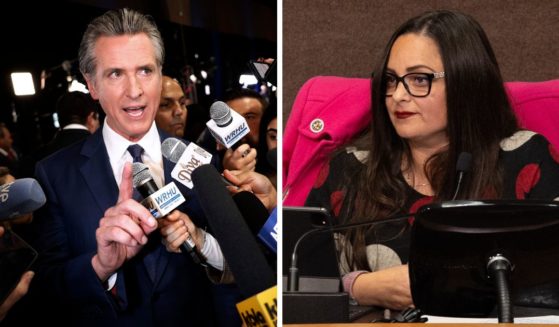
531, 171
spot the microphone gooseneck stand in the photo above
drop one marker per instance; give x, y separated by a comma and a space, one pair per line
499, 268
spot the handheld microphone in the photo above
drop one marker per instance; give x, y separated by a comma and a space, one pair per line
226, 125
161, 202
293, 276
259, 221
247, 263
269, 232
255, 278
20, 197
463, 165
186, 158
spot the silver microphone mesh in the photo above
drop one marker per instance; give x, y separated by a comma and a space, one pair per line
172, 149
140, 173
220, 113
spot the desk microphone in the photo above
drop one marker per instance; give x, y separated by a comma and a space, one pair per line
293, 276
463, 165
315, 304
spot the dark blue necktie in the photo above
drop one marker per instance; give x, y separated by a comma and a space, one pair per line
151, 248
136, 151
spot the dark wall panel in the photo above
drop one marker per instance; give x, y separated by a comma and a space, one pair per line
345, 38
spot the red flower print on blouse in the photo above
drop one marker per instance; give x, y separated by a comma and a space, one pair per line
553, 152
336, 200
322, 174
418, 204
527, 178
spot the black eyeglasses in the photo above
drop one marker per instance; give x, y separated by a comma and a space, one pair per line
417, 84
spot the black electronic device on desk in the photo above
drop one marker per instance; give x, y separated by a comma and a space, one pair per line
469, 257
313, 293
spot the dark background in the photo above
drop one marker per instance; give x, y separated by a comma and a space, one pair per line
219, 36
345, 38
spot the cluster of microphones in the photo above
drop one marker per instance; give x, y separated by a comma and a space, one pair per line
240, 222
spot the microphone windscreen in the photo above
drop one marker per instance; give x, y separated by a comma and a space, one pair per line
140, 173
20, 197
220, 113
240, 249
464, 162
253, 211
272, 157
172, 149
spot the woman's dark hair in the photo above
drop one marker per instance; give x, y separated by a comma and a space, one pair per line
479, 117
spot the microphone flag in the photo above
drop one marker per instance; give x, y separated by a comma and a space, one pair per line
192, 158
260, 309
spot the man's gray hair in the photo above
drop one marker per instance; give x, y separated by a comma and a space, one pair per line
115, 23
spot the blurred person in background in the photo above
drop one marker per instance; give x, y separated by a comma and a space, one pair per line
172, 113
23, 286
18, 292
8, 156
266, 163
78, 115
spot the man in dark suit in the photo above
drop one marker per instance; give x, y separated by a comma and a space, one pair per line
102, 261
78, 115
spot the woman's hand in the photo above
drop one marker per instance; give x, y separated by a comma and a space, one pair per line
387, 288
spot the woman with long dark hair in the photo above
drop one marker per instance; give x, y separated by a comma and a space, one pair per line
437, 93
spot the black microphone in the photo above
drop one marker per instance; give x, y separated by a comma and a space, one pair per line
256, 216
253, 211
20, 197
146, 186
463, 165
293, 276
247, 263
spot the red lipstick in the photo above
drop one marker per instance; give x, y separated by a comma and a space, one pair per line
403, 114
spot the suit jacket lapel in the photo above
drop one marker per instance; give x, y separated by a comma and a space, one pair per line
97, 171
163, 258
